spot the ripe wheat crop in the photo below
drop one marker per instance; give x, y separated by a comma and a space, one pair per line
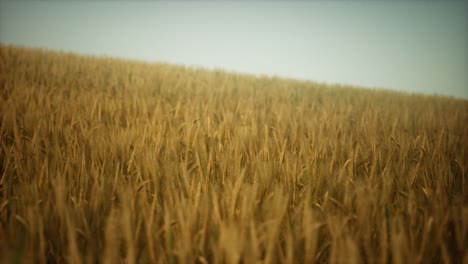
111, 161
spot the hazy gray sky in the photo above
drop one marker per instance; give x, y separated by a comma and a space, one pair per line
415, 46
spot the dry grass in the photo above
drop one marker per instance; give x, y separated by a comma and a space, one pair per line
116, 161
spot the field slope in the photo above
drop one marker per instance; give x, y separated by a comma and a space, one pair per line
112, 161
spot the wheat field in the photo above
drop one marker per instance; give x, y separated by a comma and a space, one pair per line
116, 161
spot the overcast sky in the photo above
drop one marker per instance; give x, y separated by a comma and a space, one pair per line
415, 46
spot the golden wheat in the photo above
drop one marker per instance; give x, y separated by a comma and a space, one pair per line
104, 160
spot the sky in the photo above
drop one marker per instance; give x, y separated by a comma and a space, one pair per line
412, 46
